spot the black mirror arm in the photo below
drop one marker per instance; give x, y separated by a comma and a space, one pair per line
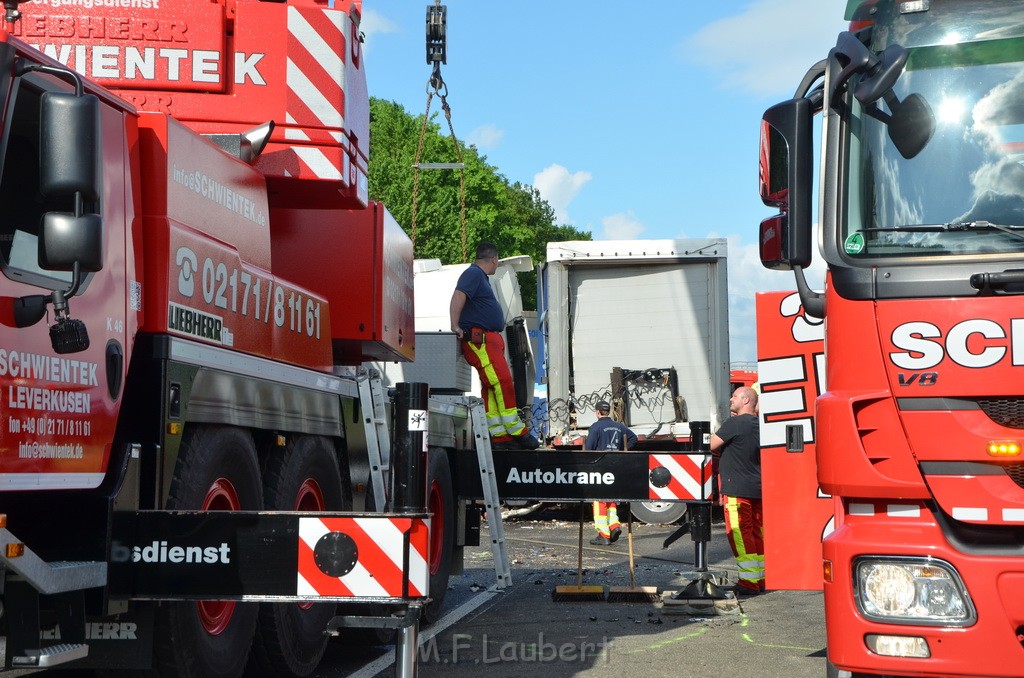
814, 73
877, 113
76, 282
848, 57
64, 74
813, 302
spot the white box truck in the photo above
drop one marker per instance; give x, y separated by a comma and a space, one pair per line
642, 324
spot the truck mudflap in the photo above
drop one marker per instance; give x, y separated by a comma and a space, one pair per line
268, 556
559, 475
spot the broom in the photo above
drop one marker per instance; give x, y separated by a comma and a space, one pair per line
632, 593
578, 592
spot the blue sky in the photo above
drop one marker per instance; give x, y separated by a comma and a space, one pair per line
633, 120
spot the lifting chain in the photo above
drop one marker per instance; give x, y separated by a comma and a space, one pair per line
437, 54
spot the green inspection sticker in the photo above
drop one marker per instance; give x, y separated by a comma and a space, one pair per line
854, 243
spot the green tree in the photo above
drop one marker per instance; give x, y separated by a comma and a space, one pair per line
511, 215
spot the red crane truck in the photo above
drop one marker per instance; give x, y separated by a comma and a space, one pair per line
920, 430
192, 281
187, 290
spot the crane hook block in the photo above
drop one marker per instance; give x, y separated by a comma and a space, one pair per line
437, 21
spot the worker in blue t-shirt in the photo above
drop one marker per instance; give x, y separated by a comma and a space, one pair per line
607, 434
477, 320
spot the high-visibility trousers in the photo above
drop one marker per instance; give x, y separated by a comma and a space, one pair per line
606, 518
744, 526
499, 393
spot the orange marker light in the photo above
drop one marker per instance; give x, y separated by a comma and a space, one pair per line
15, 550
1004, 448
826, 571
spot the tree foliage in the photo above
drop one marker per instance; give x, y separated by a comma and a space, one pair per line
511, 215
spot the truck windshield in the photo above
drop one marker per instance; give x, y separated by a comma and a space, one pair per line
963, 195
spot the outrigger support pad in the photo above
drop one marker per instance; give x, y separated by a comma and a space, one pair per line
704, 594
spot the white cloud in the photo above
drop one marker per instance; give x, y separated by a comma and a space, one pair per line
374, 23
486, 136
622, 226
767, 48
746, 278
559, 187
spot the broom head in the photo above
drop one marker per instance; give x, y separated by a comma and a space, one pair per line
577, 593
633, 594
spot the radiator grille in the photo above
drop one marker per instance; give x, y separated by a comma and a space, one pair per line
1008, 412
1016, 473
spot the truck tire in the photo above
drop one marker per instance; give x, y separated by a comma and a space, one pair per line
217, 471
441, 504
290, 638
658, 512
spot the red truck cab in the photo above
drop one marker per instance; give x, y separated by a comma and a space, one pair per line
919, 432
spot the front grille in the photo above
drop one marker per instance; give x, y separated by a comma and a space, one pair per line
1016, 473
1008, 412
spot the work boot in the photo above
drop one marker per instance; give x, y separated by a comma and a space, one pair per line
527, 442
742, 589
601, 540
614, 535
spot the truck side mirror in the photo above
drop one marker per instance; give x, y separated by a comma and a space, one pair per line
910, 122
69, 145
786, 168
66, 239
69, 158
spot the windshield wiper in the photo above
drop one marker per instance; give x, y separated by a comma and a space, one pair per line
980, 225
983, 225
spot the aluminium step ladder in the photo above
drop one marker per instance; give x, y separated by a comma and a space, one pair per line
492, 503
378, 445
375, 425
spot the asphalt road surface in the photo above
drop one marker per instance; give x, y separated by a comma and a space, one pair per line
524, 631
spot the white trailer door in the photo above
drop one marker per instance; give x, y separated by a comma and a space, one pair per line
649, 316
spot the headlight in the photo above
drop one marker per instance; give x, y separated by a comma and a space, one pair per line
911, 590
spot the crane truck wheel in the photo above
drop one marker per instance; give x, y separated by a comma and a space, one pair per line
658, 512
441, 505
290, 638
216, 470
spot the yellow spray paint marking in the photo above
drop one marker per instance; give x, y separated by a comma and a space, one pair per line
744, 623
670, 641
746, 637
